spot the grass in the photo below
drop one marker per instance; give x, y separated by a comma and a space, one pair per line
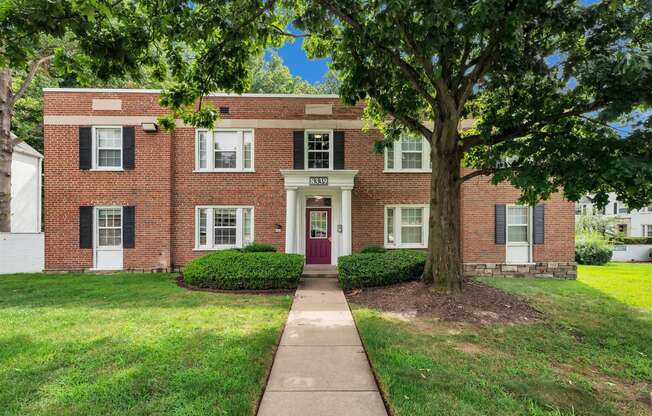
131, 344
591, 355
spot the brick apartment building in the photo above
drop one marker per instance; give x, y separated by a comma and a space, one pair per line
298, 172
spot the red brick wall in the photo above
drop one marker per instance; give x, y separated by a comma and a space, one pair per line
165, 190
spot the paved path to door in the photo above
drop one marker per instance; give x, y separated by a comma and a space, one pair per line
320, 368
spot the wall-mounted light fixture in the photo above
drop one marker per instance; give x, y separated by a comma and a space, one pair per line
150, 127
278, 228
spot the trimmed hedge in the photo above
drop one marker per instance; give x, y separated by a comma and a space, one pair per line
373, 249
633, 240
380, 269
258, 248
235, 269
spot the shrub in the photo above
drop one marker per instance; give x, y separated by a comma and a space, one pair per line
373, 249
633, 240
258, 248
235, 269
592, 248
379, 269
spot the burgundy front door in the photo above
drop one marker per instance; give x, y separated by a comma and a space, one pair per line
318, 235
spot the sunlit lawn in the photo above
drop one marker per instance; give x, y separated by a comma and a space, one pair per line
591, 355
131, 344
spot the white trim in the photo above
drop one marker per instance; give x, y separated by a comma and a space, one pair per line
398, 150
339, 178
530, 232
215, 94
94, 164
263, 123
210, 228
210, 151
331, 142
397, 225
96, 235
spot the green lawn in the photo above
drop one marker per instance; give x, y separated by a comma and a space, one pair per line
592, 354
131, 344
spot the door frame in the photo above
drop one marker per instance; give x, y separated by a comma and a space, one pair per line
329, 229
336, 217
96, 237
530, 233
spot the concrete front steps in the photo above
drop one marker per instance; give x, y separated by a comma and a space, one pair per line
320, 271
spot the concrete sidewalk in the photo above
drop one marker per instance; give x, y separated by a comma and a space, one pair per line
320, 367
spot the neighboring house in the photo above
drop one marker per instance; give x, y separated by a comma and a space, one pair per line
627, 222
21, 250
298, 172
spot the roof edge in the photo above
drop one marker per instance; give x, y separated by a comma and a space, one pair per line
217, 94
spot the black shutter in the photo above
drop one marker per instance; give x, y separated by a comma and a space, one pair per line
128, 227
85, 227
539, 224
298, 150
615, 207
128, 147
338, 150
500, 223
85, 148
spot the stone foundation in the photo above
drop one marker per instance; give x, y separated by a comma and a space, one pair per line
552, 270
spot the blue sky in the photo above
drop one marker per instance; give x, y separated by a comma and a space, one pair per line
295, 58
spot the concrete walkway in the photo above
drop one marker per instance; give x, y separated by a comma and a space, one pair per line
320, 368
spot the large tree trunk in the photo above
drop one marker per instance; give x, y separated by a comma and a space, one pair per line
6, 150
444, 264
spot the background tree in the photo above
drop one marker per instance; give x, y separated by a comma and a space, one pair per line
271, 76
201, 46
544, 80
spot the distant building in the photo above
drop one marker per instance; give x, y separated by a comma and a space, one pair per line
628, 222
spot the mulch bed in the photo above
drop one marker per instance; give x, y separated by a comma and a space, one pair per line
479, 303
182, 283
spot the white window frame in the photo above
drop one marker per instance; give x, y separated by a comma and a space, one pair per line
646, 230
210, 229
96, 227
398, 151
210, 150
330, 148
397, 226
95, 149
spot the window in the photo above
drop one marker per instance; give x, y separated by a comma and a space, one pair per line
222, 227
318, 224
224, 150
647, 230
518, 220
319, 149
406, 226
107, 148
622, 208
622, 229
109, 227
408, 154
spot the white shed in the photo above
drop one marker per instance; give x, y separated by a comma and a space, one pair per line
22, 250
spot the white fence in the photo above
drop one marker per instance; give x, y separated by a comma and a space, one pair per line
22, 252
631, 252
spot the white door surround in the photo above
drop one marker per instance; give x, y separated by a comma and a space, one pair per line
108, 254
298, 190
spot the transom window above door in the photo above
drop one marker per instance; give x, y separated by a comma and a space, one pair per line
411, 153
224, 150
319, 149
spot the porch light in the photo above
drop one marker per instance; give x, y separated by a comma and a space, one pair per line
278, 228
150, 127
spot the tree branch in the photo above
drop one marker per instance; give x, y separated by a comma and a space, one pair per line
288, 34
33, 68
479, 172
470, 142
411, 74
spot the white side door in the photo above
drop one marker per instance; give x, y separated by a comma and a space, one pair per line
519, 235
107, 252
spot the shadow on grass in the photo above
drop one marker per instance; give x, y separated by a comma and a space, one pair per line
559, 366
118, 290
202, 373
